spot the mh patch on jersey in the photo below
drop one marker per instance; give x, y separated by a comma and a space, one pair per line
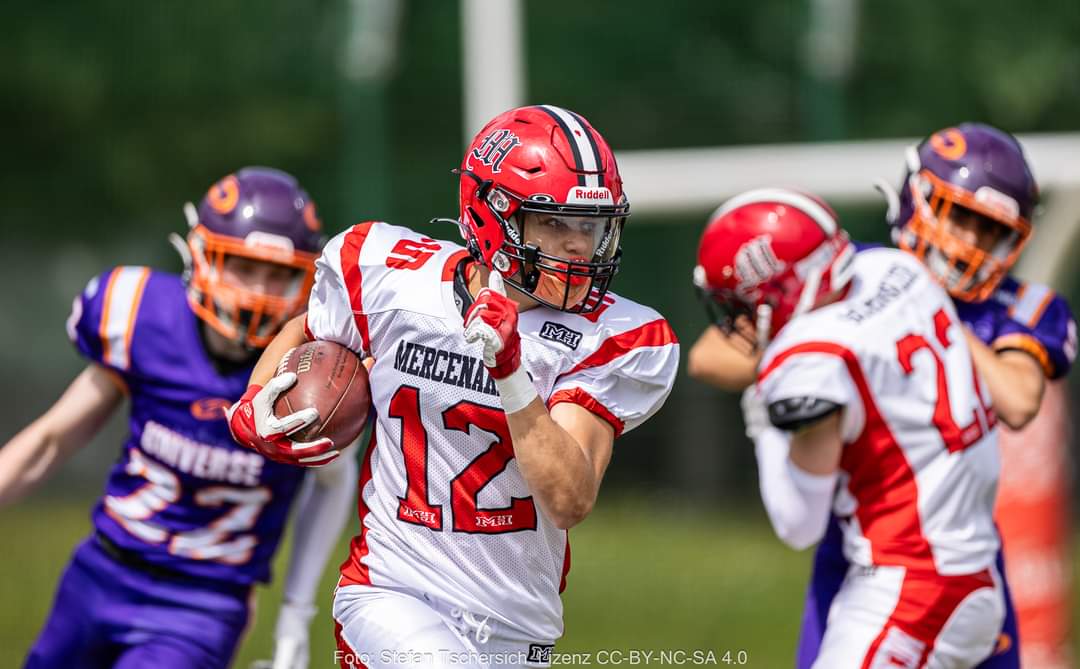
540, 653
560, 334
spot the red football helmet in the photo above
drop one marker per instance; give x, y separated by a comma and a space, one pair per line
767, 256
548, 163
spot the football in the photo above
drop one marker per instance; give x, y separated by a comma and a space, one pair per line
332, 379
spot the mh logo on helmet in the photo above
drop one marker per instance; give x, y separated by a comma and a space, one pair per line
495, 148
755, 262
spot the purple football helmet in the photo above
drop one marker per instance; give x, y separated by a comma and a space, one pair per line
971, 171
261, 214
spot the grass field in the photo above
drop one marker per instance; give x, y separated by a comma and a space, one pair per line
707, 578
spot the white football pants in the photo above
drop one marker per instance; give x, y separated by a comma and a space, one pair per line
399, 628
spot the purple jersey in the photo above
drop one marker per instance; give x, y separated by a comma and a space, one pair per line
1028, 317
182, 496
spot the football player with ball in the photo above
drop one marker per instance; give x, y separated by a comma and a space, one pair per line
503, 372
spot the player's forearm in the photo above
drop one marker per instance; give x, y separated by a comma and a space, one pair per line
796, 501
38, 450
27, 460
714, 360
1014, 380
291, 336
560, 476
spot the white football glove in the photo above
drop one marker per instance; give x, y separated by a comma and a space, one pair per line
267, 424
253, 424
755, 415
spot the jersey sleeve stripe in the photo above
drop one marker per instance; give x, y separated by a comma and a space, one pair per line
1019, 341
351, 248
881, 479
653, 333
452, 263
586, 401
1030, 303
355, 571
123, 293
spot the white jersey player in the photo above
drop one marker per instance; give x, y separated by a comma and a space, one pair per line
496, 405
867, 404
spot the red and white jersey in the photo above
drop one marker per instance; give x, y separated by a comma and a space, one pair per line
444, 509
920, 464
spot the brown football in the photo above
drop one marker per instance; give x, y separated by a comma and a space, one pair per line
332, 379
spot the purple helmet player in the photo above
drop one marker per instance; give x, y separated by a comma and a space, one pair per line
965, 207
263, 215
188, 520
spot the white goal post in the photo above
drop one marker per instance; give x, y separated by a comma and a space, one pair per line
671, 181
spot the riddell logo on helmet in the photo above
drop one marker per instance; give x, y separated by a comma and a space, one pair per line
585, 195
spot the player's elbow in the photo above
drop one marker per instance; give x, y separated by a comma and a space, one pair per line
570, 511
729, 373
700, 367
1018, 414
696, 364
799, 533
798, 538
1021, 406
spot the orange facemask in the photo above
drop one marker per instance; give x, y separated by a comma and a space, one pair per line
238, 313
966, 271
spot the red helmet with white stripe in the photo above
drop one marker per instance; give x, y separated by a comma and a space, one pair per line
542, 203
769, 255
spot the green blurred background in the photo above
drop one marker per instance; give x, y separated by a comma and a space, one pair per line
119, 112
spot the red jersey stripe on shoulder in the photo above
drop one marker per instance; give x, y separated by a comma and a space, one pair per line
351, 247
586, 401
881, 479
653, 333
353, 569
452, 263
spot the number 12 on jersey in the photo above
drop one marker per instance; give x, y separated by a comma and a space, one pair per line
416, 507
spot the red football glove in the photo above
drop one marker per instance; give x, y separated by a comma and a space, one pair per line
254, 425
492, 319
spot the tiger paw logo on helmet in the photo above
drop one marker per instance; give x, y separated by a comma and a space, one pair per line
257, 215
965, 207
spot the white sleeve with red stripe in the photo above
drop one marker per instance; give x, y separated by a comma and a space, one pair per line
795, 373
331, 314
627, 379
